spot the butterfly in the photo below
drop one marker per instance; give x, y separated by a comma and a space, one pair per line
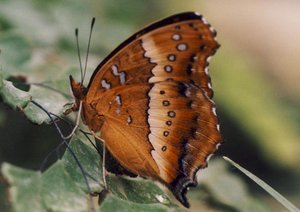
150, 101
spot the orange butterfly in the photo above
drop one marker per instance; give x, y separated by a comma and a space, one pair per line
150, 101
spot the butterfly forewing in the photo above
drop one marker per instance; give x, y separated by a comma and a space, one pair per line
150, 101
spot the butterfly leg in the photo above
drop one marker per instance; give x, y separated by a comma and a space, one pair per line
104, 173
77, 122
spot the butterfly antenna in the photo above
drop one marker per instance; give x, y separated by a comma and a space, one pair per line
88, 48
78, 52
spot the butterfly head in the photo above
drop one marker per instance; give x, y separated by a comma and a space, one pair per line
79, 92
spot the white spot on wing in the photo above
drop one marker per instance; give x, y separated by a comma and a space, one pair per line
205, 21
218, 127
208, 157
208, 59
206, 70
105, 84
176, 37
129, 119
171, 57
121, 75
209, 85
187, 92
168, 68
196, 13
115, 70
214, 111
118, 100
122, 78
182, 47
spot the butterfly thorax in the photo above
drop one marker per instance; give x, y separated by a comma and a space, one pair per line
89, 115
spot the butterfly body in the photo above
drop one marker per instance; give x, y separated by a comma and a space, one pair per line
150, 101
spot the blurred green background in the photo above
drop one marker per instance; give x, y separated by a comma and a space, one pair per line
255, 75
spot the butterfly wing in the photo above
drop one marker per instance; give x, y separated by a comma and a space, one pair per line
151, 100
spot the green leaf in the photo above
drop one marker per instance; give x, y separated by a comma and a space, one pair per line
18, 99
146, 194
62, 186
113, 203
50, 100
25, 187
12, 96
56, 189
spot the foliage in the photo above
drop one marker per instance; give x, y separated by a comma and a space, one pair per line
62, 187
